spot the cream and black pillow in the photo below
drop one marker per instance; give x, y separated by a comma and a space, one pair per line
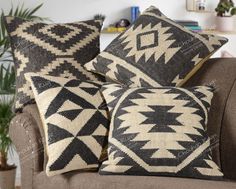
52, 49
155, 51
159, 131
75, 122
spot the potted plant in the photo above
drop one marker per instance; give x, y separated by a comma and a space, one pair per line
7, 172
225, 12
7, 91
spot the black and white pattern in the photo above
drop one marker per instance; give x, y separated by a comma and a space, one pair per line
75, 122
51, 49
159, 131
155, 51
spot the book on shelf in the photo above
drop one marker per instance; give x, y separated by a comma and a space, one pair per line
190, 24
187, 22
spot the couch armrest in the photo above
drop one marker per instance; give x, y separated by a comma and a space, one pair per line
28, 142
228, 136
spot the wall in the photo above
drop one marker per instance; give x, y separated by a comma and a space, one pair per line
73, 10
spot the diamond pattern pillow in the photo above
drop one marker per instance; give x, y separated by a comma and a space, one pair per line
159, 131
155, 51
52, 49
75, 122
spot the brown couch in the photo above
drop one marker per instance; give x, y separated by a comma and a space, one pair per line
220, 72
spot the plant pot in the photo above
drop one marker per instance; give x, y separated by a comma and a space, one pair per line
225, 24
7, 179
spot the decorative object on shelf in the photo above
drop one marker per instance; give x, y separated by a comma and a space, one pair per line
123, 23
191, 5
99, 17
225, 12
135, 12
118, 27
201, 5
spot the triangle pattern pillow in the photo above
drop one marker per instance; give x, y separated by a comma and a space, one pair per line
51, 49
155, 51
75, 122
159, 132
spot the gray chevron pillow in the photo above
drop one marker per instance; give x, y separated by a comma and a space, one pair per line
159, 131
52, 49
75, 122
155, 51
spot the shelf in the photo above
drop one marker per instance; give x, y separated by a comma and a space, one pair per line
107, 32
201, 11
215, 32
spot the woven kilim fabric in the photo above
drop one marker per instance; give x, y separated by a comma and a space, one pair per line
159, 131
75, 122
155, 51
51, 49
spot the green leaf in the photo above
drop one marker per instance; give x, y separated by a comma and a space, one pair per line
233, 11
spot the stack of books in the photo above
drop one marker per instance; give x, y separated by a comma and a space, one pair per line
190, 24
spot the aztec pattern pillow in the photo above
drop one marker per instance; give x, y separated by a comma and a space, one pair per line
51, 49
75, 122
155, 51
159, 131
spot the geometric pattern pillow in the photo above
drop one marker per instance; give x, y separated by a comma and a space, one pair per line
75, 122
155, 51
159, 131
51, 49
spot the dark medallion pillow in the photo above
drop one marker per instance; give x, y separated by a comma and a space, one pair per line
52, 49
159, 131
75, 122
155, 51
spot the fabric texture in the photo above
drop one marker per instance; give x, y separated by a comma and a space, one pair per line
155, 51
75, 122
51, 49
159, 131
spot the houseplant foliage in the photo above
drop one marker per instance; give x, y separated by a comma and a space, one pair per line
226, 8
7, 91
225, 11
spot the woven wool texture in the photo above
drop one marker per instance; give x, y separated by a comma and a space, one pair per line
155, 51
159, 131
75, 122
51, 49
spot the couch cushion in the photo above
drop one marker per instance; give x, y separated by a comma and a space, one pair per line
53, 49
159, 131
74, 120
75, 180
155, 51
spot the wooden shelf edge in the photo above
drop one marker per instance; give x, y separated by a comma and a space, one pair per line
215, 32
201, 11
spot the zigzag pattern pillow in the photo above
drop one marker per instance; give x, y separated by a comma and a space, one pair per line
155, 51
75, 122
51, 49
159, 131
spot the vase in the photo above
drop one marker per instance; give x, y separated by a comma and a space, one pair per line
225, 24
7, 178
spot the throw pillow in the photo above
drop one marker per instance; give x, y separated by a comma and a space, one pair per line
159, 131
75, 122
52, 49
155, 51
